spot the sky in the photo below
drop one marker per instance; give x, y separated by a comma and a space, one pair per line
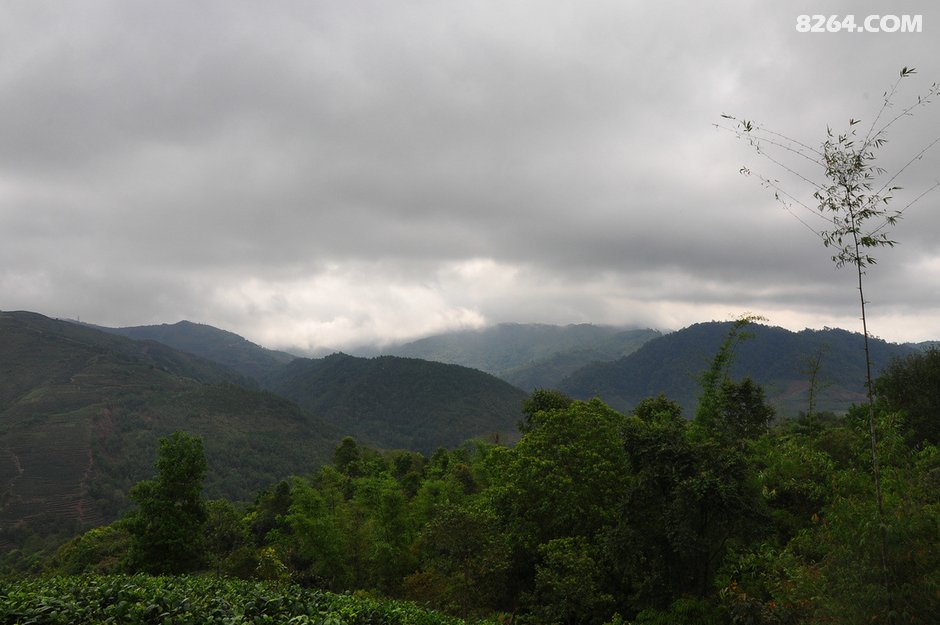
326, 174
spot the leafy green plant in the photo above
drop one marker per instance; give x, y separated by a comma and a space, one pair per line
195, 600
168, 526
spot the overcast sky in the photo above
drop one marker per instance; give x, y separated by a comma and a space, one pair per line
330, 173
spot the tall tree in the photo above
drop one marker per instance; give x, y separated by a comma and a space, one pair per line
541, 400
317, 537
167, 528
691, 495
565, 477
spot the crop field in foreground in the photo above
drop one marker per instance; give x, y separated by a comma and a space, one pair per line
194, 601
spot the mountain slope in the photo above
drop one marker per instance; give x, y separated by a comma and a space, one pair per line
221, 346
81, 412
528, 355
396, 402
774, 357
40, 350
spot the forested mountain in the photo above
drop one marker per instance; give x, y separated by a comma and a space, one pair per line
778, 359
443, 406
593, 517
81, 412
528, 355
213, 344
404, 403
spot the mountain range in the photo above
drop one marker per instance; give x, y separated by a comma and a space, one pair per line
529, 356
82, 411
778, 359
624, 366
82, 407
220, 346
620, 365
386, 401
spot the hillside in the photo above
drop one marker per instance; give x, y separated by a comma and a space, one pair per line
82, 411
528, 355
774, 357
213, 344
396, 402
363, 412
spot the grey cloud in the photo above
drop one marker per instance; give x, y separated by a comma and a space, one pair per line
154, 152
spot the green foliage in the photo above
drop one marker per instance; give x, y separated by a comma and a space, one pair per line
714, 379
565, 477
101, 550
266, 515
685, 610
346, 456
796, 479
728, 411
380, 533
168, 527
688, 500
848, 542
658, 411
911, 385
541, 400
195, 600
743, 414
317, 538
592, 516
826, 562
465, 559
225, 535
768, 585
568, 584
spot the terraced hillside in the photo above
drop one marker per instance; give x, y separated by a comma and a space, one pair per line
81, 412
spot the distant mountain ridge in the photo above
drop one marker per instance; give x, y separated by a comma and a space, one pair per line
774, 357
221, 346
528, 355
375, 412
617, 364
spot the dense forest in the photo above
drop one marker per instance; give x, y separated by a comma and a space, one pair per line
593, 516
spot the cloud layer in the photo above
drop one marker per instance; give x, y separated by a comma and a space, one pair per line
315, 174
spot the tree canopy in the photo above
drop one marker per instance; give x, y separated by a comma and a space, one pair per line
167, 528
